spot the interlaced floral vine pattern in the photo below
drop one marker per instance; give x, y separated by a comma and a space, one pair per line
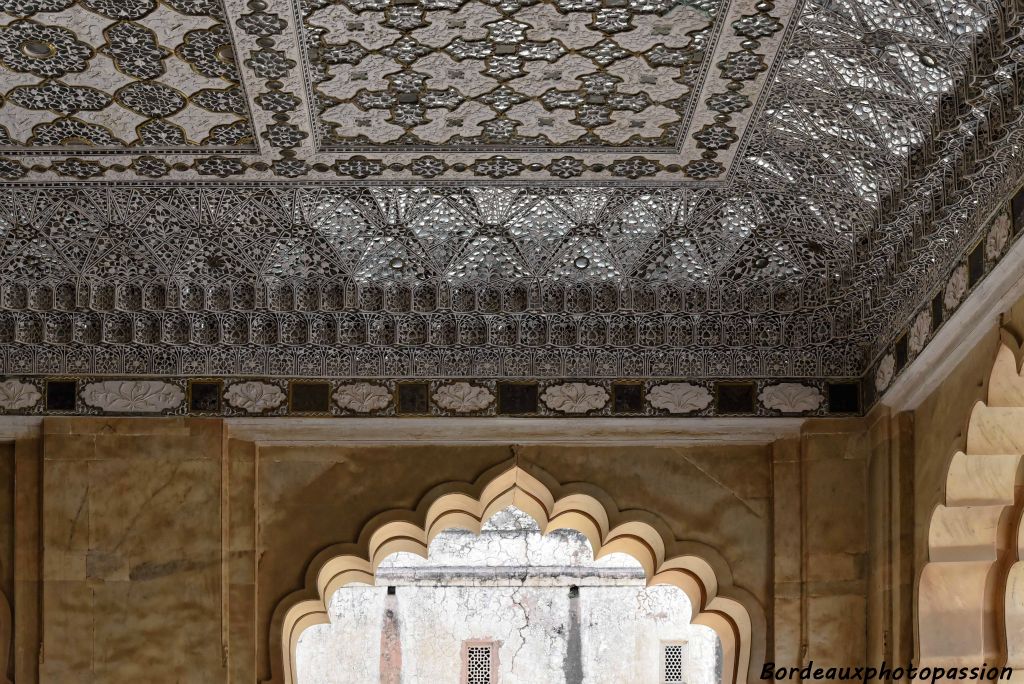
528, 190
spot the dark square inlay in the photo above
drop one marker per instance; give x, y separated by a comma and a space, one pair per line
976, 264
1017, 211
937, 311
843, 397
735, 397
514, 397
310, 397
413, 397
901, 352
61, 395
204, 397
628, 397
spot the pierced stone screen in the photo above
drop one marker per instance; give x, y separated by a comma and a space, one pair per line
478, 665
673, 663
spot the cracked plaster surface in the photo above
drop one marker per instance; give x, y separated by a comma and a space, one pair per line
509, 585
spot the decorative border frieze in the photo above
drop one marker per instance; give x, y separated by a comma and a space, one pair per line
999, 233
247, 396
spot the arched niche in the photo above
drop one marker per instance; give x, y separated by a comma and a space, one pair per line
697, 570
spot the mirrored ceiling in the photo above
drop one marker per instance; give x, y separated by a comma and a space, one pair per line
693, 192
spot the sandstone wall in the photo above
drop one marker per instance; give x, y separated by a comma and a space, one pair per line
163, 550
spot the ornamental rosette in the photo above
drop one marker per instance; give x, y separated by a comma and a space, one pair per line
679, 397
886, 371
133, 396
791, 397
47, 51
997, 238
362, 397
15, 394
956, 288
462, 397
574, 397
254, 397
919, 331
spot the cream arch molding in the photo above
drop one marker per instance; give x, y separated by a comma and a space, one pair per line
702, 575
971, 592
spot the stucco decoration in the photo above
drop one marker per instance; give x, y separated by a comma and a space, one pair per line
574, 397
679, 397
919, 331
133, 396
956, 288
462, 397
885, 372
362, 397
520, 190
15, 394
998, 236
791, 397
111, 77
254, 397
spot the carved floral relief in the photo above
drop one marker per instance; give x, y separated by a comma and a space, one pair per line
362, 397
15, 394
886, 371
791, 397
462, 397
919, 331
956, 288
574, 397
133, 396
679, 397
254, 397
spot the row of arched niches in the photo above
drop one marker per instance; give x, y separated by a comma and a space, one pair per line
397, 297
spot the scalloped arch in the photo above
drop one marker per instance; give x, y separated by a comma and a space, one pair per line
971, 593
699, 571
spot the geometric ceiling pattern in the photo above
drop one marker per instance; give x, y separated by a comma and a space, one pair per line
117, 76
773, 188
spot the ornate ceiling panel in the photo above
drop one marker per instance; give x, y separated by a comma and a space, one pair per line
113, 77
713, 190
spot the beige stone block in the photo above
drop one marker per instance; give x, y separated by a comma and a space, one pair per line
981, 479
242, 567
157, 510
1013, 602
964, 533
120, 426
996, 430
836, 567
834, 446
836, 515
785, 450
106, 567
69, 448
242, 636
954, 616
787, 524
153, 447
241, 497
1006, 386
161, 628
69, 619
836, 629
788, 617
60, 564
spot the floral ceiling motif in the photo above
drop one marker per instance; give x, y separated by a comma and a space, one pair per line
88, 76
498, 188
